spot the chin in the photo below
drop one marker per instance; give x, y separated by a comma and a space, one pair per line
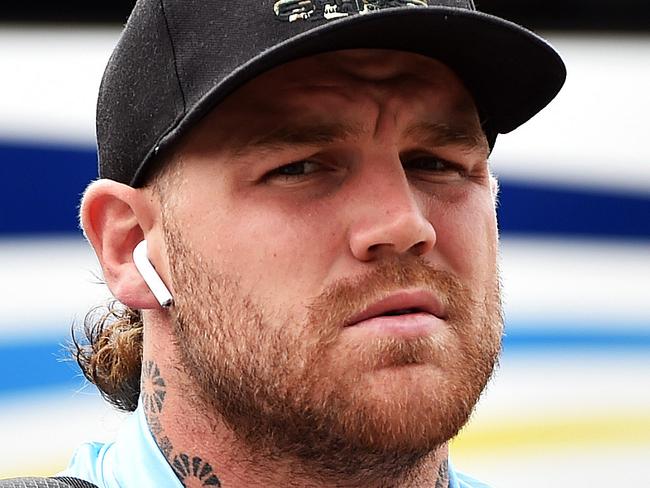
401, 409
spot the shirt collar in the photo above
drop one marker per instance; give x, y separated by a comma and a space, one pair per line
133, 460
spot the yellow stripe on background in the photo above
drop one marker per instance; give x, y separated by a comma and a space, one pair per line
623, 428
523, 437
39, 467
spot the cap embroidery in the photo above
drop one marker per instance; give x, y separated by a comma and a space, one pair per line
292, 10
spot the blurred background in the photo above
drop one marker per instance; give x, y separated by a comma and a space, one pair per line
570, 404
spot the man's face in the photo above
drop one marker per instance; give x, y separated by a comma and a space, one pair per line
305, 199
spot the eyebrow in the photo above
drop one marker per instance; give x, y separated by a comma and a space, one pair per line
434, 134
441, 134
301, 135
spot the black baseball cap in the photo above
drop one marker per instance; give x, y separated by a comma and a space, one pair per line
177, 59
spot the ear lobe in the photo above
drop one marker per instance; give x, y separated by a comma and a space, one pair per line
115, 218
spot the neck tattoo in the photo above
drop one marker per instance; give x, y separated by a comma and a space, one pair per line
190, 470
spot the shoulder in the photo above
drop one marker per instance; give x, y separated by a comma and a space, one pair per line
464, 481
87, 462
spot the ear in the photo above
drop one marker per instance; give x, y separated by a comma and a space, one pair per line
115, 218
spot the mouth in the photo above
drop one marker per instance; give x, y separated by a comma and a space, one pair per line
403, 311
402, 303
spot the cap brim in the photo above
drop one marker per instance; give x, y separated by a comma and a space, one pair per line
511, 72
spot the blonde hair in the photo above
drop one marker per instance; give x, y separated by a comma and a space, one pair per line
110, 353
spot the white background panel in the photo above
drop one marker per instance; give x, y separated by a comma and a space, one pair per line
576, 417
593, 134
49, 283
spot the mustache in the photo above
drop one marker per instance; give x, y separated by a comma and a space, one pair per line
339, 302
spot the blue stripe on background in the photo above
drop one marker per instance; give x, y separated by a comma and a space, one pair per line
34, 365
528, 208
28, 366
541, 340
42, 187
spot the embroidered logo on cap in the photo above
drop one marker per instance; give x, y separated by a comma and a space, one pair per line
292, 10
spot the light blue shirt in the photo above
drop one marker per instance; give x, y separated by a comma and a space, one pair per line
134, 460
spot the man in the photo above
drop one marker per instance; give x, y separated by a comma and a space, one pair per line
297, 216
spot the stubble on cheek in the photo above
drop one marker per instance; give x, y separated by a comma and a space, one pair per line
290, 384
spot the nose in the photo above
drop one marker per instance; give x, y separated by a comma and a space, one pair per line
392, 223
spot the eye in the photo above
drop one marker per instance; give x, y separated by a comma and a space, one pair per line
294, 170
434, 165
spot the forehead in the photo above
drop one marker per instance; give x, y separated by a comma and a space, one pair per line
343, 85
373, 65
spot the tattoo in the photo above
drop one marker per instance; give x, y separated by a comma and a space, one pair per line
443, 475
153, 391
153, 388
194, 468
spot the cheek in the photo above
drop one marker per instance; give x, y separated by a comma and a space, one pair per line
467, 235
279, 259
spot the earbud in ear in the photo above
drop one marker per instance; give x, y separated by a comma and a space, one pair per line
150, 276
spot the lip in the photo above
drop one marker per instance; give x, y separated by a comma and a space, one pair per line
424, 301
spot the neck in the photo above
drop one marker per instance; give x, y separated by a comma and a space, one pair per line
204, 451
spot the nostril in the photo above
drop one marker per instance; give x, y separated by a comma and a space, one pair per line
420, 248
374, 248
417, 249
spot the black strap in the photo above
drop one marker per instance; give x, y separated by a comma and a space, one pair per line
74, 482
56, 482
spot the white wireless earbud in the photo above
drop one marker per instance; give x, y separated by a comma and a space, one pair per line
150, 276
